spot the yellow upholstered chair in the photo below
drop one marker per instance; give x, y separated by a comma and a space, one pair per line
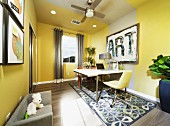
122, 83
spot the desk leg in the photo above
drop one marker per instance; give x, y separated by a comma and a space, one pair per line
79, 80
97, 78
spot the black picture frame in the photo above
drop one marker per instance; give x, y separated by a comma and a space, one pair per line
123, 45
2, 35
15, 42
16, 9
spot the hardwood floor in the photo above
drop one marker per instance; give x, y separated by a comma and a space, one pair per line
68, 108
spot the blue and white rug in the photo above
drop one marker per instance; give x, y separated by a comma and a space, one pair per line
118, 115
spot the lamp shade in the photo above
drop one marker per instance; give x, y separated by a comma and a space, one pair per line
105, 56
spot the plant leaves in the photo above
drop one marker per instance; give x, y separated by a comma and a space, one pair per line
163, 66
168, 71
157, 74
167, 63
152, 68
160, 61
160, 57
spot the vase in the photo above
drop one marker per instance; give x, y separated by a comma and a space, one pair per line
164, 94
87, 67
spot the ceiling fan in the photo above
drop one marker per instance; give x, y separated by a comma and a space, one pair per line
89, 11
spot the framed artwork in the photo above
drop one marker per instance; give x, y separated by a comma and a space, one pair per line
1, 34
123, 45
15, 45
17, 7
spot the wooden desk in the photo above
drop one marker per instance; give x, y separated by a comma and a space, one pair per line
96, 73
155, 117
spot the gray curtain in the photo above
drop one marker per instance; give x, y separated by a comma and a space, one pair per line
80, 39
58, 33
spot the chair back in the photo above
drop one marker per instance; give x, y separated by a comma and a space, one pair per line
125, 79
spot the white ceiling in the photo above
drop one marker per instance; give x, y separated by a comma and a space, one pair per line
113, 9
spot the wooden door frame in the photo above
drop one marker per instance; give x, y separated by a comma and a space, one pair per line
31, 34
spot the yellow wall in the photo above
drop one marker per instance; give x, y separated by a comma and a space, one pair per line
68, 70
46, 51
14, 79
154, 19
98, 40
122, 23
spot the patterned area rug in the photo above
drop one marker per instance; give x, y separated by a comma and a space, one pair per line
123, 113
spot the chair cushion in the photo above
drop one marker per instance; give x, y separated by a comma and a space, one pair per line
113, 84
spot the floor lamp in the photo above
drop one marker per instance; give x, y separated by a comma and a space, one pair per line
106, 56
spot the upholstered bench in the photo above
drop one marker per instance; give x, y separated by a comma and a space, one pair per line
43, 117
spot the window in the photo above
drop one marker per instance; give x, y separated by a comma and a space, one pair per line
69, 49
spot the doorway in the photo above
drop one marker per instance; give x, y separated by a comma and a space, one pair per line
32, 59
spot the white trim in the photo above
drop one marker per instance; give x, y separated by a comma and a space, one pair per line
54, 81
143, 95
71, 79
58, 80
43, 82
35, 83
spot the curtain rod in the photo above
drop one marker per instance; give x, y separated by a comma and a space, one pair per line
70, 33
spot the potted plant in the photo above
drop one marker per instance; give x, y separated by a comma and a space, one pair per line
91, 52
161, 69
86, 65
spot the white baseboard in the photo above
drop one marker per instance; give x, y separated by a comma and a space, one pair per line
35, 83
43, 82
54, 81
143, 95
71, 79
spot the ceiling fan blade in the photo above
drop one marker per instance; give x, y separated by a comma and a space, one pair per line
84, 18
96, 3
77, 7
100, 15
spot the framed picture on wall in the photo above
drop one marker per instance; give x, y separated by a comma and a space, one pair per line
1, 34
17, 7
123, 45
15, 43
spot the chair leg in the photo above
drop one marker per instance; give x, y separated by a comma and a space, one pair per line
114, 100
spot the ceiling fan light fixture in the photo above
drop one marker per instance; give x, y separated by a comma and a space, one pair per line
94, 26
89, 13
53, 12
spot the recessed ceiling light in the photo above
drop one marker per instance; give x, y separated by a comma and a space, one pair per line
94, 26
53, 12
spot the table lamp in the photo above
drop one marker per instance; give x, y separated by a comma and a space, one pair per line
105, 56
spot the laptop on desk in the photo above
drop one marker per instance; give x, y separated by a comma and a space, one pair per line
100, 66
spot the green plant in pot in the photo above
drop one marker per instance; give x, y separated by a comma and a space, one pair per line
91, 53
161, 69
